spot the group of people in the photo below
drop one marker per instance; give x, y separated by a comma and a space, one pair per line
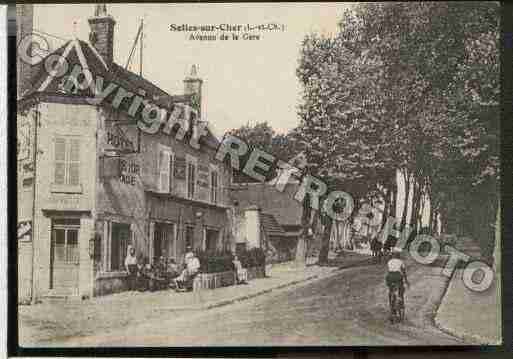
163, 274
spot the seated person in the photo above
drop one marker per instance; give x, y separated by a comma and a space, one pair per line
143, 277
242, 274
172, 269
181, 279
185, 279
161, 266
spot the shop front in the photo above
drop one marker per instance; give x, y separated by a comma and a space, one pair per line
176, 223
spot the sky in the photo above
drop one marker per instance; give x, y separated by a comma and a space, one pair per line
245, 81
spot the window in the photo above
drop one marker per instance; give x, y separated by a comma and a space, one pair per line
240, 248
189, 236
165, 169
120, 238
164, 243
65, 240
214, 186
67, 161
191, 178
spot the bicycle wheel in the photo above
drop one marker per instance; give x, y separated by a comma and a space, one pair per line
393, 303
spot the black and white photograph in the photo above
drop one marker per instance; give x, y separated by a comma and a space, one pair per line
258, 175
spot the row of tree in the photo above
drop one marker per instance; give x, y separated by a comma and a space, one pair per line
408, 88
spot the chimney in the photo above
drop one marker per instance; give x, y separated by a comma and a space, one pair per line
102, 33
192, 85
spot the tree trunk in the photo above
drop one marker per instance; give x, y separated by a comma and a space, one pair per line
421, 209
306, 221
431, 214
393, 200
386, 210
325, 241
406, 179
415, 204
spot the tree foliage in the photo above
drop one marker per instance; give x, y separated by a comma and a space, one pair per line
411, 88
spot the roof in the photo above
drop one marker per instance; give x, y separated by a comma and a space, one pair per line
78, 52
270, 225
281, 205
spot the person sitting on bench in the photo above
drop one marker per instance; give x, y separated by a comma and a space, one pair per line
184, 281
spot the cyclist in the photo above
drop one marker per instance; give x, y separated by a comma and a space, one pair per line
396, 274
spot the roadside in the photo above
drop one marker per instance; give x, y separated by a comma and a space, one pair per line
470, 315
345, 307
60, 318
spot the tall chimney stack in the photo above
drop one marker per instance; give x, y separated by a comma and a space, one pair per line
192, 86
102, 33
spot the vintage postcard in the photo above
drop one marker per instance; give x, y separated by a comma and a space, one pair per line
257, 174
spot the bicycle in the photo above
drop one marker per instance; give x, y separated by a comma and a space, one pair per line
396, 301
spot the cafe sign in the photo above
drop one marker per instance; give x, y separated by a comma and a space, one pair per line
129, 171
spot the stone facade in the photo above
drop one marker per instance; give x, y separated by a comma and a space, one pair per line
91, 183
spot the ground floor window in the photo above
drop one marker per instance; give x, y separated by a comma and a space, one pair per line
120, 238
189, 236
240, 248
211, 239
164, 241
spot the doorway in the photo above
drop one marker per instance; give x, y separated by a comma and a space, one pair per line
64, 255
189, 236
211, 239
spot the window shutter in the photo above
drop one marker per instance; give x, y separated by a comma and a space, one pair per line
60, 161
171, 172
191, 179
214, 186
164, 167
74, 162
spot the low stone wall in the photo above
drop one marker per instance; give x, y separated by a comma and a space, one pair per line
214, 280
110, 282
224, 279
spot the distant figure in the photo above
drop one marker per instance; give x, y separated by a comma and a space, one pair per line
375, 246
172, 271
241, 273
131, 267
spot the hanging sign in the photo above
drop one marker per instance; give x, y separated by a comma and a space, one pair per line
24, 231
129, 171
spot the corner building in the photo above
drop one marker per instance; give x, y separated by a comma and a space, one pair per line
90, 182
